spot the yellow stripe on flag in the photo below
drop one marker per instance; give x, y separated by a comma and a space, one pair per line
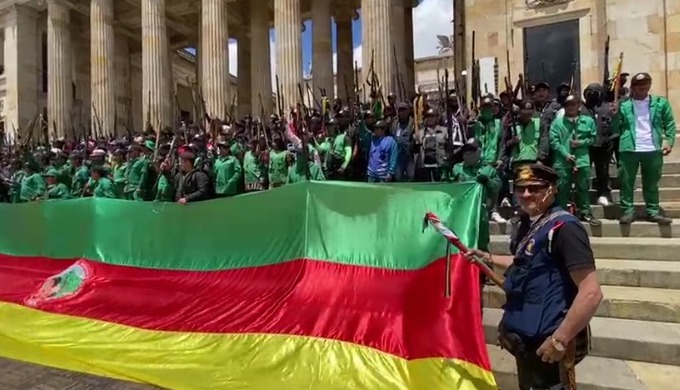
220, 361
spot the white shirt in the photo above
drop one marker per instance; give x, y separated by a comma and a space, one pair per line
643, 126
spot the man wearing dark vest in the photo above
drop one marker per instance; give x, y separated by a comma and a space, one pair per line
646, 131
551, 286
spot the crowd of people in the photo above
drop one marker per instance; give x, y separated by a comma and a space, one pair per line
379, 141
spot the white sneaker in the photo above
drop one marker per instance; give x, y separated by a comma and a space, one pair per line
505, 203
603, 201
497, 217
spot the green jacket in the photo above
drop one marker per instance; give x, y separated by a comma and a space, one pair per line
661, 118
57, 191
463, 173
253, 170
228, 174
296, 173
528, 136
563, 131
489, 136
79, 180
104, 188
136, 175
32, 187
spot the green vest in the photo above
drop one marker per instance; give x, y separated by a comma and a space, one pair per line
563, 131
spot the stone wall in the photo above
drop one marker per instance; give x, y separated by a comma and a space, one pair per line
647, 32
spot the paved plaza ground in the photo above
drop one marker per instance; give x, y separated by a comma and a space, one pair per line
16, 375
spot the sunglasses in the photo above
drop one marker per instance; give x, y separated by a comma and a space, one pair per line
532, 188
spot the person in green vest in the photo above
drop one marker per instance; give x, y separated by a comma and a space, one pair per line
278, 163
32, 184
101, 185
253, 168
303, 168
228, 171
487, 131
136, 174
646, 129
570, 138
55, 189
16, 179
323, 143
522, 147
474, 169
81, 174
340, 154
119, 167
62, 166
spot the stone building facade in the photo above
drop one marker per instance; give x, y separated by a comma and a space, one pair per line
647, 32
118, 63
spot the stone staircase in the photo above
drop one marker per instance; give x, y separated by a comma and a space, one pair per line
636, 331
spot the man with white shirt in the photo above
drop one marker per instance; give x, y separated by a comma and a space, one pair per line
647, 133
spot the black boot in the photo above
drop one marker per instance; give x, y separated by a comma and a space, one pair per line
627, 219
660, 219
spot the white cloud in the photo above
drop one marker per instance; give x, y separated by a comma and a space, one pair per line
431, 18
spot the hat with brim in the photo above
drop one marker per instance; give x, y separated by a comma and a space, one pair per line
641, 78
534, 173
541, 85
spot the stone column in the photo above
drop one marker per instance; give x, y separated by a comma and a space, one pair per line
245, 78
398, 28
322, 52
345, 50
59, 85
21, 68
288, 24
102, 66
156, 95
123, 88
376, 26
409, 72
215, 57
260, 60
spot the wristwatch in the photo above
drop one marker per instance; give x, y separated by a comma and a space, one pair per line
559, 347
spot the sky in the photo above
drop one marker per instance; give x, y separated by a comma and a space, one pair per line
430, 18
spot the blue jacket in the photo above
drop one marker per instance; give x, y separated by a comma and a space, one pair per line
538, 291
382, 158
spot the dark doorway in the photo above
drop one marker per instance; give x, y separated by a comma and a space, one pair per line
552, 54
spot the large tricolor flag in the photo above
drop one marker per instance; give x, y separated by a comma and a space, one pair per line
310, 286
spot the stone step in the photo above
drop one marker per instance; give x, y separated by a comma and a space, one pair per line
633, 303
669, 168
644, 341
595, 373
635, 273
613, 247
671, 180
612, 228
639, 273
667, 194
613, 211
